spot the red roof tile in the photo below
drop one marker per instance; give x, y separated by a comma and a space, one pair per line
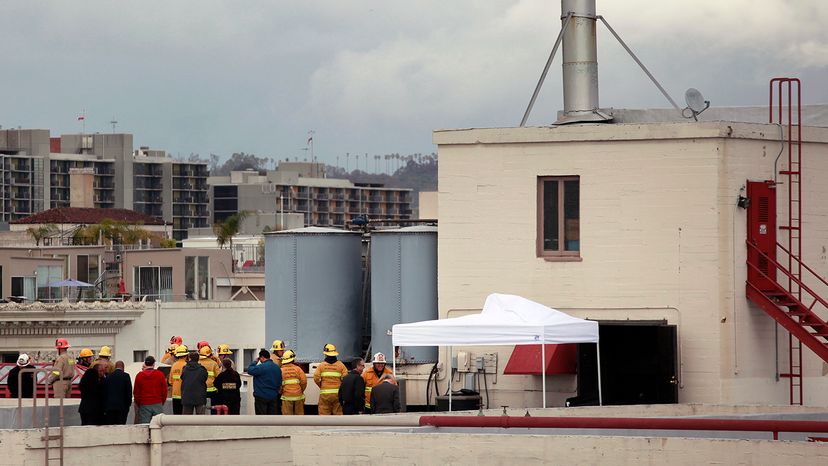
88, 216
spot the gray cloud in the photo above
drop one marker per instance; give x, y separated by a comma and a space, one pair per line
371, 76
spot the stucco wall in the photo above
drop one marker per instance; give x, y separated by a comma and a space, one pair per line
661, 239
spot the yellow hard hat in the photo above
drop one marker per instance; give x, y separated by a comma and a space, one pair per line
105, 352
86, 353
205, 351
278, 345
330, 350
224, 349
289, 356
180, 351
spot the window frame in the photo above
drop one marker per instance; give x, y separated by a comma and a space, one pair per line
561, 255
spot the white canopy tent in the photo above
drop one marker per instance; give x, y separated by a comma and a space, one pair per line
505, 320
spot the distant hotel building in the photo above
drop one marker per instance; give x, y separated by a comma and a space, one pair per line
38, 172
300, 188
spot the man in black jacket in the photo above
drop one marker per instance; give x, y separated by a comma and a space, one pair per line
193, 386
27, 380
352, 390
117, 388
385, 397
91, 407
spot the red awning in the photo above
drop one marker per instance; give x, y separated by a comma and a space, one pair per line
526, 360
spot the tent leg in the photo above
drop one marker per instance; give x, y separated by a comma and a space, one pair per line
451, 375
543, 369
598, 354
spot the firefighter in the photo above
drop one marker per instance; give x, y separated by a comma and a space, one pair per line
105, 357
169, 356
175, 377
372, 377
85, 358
277, 349
212, 356
224, 352
328, 376
63, 370
294, 383
213, 368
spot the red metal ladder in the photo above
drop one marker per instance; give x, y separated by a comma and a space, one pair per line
788, 92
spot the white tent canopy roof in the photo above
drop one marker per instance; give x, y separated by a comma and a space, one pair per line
505, 320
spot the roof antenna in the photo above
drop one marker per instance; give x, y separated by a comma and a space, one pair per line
695, 103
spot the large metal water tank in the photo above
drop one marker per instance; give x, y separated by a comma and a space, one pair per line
403, 286
313, 291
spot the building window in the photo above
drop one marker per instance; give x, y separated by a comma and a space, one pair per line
46, 275
197, 277
139, 355
559, 235
23, 287
153, 282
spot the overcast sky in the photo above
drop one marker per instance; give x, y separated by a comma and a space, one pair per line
371, 76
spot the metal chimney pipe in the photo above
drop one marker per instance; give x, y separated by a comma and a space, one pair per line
580, 63
580, 57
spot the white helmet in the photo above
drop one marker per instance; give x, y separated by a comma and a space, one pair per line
23, 359
379, 358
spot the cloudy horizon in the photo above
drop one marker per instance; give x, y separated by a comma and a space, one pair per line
368, 76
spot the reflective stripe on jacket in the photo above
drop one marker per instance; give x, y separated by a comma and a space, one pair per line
329, 376
175, 377
213, 370
294, 382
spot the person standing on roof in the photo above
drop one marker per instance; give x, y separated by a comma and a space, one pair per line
228, 385
193, 386
169, 357
175, 377
294, 383
91, 408
328, 376
24, 387
85, 358
224, 352
150, 391
105, 358
372, 377
352, 391
63, 371
267, 383
213, 369
385, 397
117, 389
277, 350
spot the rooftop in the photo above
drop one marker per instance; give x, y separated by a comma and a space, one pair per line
78, 215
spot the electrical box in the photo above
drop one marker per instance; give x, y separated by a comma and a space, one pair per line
463, 361
761, 233
490, 363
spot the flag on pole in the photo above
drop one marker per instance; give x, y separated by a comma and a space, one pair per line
81, 117
310, 139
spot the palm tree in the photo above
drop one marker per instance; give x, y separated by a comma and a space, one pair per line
41, 232
226, 230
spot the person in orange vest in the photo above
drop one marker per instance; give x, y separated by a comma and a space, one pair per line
63, 371
328, 376
294, 383
277, 349
169, 356
213, 369
175, 377
372, 377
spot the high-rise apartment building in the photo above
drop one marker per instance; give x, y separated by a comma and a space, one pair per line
38, 173
299, 188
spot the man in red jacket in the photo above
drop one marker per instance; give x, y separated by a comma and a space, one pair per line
150, 391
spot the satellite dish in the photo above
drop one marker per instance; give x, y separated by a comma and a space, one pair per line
695, 103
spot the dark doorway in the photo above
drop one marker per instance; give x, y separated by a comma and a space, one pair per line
638, 362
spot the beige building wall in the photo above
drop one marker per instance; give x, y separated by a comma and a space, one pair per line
81, 187
661, 239
428, 204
